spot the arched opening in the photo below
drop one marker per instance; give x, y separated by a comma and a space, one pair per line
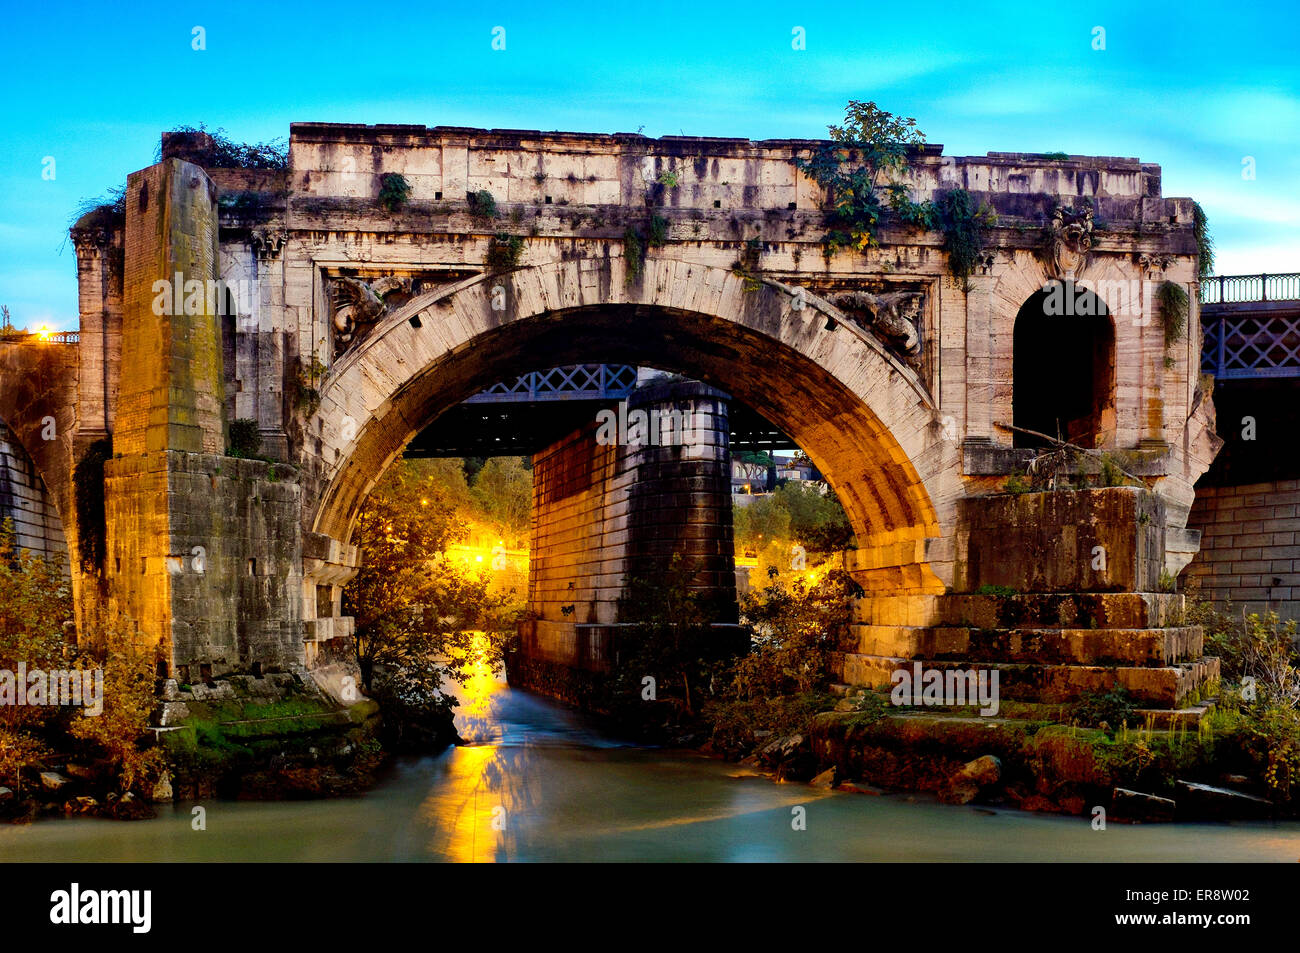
859, 454
1063, 381
864, 420
27, 504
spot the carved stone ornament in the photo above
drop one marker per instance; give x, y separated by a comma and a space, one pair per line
1070, 238
894, 317
358, 305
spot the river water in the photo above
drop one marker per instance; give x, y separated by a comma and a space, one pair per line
537, 784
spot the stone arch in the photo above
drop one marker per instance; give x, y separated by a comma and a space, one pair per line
38, 405
864, 418
1063, 367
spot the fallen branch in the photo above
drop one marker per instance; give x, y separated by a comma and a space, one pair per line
1066, 445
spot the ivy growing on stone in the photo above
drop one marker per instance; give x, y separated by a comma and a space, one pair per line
965, 225
1173, 311
633, 255
1204, 243
871, 143
746, 266
503, 253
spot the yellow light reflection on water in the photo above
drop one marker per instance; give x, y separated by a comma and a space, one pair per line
472, 815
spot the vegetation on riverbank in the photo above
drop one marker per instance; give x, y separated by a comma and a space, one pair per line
771, 706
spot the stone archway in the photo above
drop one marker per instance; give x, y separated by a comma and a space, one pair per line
38, 381
1063, 371
865, 419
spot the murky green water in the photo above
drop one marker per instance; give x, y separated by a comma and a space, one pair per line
538, 785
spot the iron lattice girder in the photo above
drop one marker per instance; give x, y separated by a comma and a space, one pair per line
569, 382
520, 417
1243, 344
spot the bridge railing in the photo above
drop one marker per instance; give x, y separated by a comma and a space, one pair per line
12, 336
1228, 289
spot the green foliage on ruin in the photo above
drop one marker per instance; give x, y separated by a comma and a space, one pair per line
1173, 311
306, 380
1109, 710
658, 232
504, 251
222, 152
633, 255
1204, 243
745, 267
965, 224
482, 205
1017, 484
245, 439
394, 190
871, 144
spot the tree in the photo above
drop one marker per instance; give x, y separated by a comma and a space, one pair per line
35, 607
419, 617
817, 520
503, 495
402, 531
753, 464
871, 142
762, 522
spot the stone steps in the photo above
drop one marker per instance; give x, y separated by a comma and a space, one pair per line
1126, 610
1189, 717
1109, 646
1157, 687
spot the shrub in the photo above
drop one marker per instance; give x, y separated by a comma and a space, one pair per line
1107, 710
503, 252
245, 439
394, 190
482, 204
117, 732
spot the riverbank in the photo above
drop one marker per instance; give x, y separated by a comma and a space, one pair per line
539, 783
1209, 771
238, 738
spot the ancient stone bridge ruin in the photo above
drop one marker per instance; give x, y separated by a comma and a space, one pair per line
345, 316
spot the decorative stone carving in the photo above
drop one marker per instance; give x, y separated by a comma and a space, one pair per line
1154, 265
894, 317
268, 242
1069, 241
358, 306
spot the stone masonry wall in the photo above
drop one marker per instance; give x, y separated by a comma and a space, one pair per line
604, 511
1250, 546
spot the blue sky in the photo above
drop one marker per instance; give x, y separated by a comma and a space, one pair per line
1194, 87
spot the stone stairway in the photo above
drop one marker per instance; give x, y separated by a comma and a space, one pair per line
1057, 597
